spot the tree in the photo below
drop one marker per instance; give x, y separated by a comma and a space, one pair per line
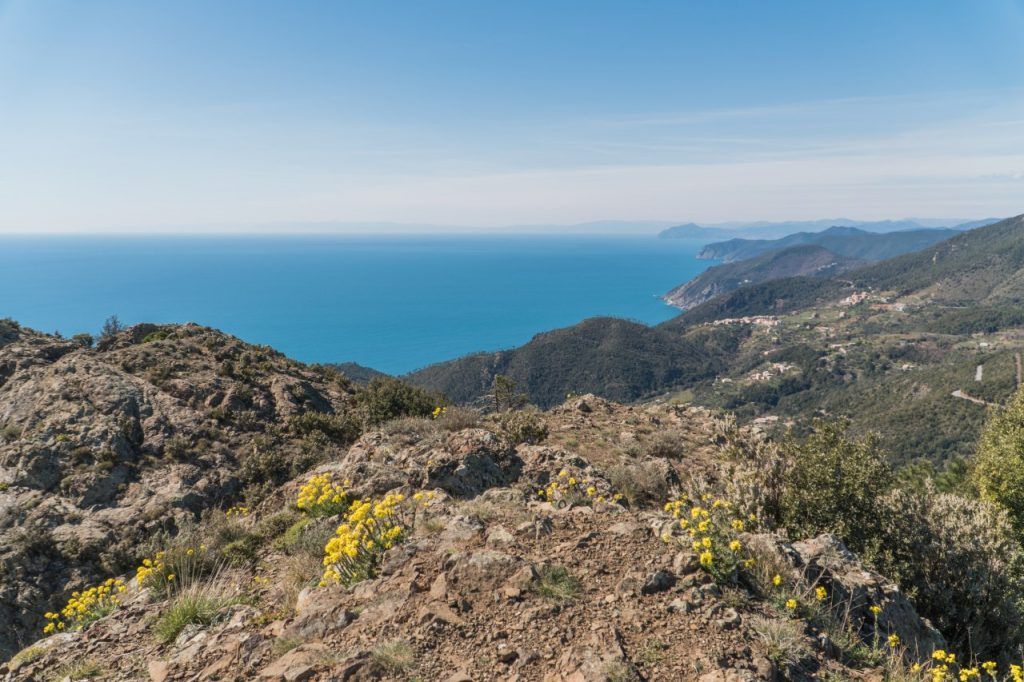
999, 461
111, 328
503, 390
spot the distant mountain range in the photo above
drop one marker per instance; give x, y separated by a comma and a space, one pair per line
850, 242
774, 230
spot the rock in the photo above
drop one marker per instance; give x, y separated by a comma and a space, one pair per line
498, 536
297, 665
464, 464
437, 613
685, 562
158, 670
729, 619
659, 581
480, 571
319, 611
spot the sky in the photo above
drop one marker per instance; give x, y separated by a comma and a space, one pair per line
217, 115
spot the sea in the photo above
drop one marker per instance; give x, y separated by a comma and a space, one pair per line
395, 303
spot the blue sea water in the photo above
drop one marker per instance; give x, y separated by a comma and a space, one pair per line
395, 303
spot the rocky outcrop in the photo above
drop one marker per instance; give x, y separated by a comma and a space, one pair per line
825, 561
104, 450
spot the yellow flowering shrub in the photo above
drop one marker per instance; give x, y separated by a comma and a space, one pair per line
370, 529
944, 666
320, 496
567, 490
174, 566
236, 512
712, 528
86, 606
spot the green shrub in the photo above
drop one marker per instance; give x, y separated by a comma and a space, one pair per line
276, 525
522, 426
999, 461
338, 429
832, 484
154, 336
387, 398
961, 563
84, 340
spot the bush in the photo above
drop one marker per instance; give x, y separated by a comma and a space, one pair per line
960, 562
666, 444
522, 426
339, 429
412, 428
999, 462
832, 485
84, 340
387, 398
456, 418
641, 483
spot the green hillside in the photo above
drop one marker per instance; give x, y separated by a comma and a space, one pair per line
796, 261
618, 359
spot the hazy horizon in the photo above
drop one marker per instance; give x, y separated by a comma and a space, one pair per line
142, 117
331, 228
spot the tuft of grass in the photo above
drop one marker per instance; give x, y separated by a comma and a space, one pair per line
783, 642
199, 605
619, 671
394, 657
28, 654
457, 418
556, 584
642, 483
83, 669
283, 645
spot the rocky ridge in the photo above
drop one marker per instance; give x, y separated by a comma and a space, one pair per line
494, 581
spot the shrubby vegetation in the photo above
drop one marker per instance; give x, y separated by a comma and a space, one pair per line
959, 558
961, 563
387, 398
833, 485
999, 462
522, 426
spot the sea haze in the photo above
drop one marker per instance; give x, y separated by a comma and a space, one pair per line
394, 303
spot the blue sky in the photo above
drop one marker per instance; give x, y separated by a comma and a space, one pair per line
129, 115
